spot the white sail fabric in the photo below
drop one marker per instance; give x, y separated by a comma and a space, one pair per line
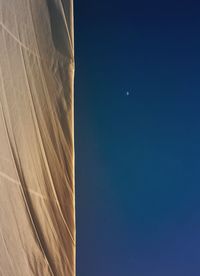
37, 206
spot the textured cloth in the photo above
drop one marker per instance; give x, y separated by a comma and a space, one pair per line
37, 205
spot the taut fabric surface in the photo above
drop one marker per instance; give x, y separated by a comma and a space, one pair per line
37, 205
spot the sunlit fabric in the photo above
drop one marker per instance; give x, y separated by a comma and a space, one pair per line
37, 205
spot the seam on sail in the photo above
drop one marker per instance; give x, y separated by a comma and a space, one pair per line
18, 41
28, 189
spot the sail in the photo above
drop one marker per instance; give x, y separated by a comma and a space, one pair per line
37, 201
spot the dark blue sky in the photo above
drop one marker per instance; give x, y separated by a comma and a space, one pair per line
137, 156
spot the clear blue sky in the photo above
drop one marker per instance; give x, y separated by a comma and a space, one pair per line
137, 156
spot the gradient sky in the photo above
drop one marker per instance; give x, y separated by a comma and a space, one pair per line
137, 156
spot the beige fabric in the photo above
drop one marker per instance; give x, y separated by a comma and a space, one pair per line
37, 217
